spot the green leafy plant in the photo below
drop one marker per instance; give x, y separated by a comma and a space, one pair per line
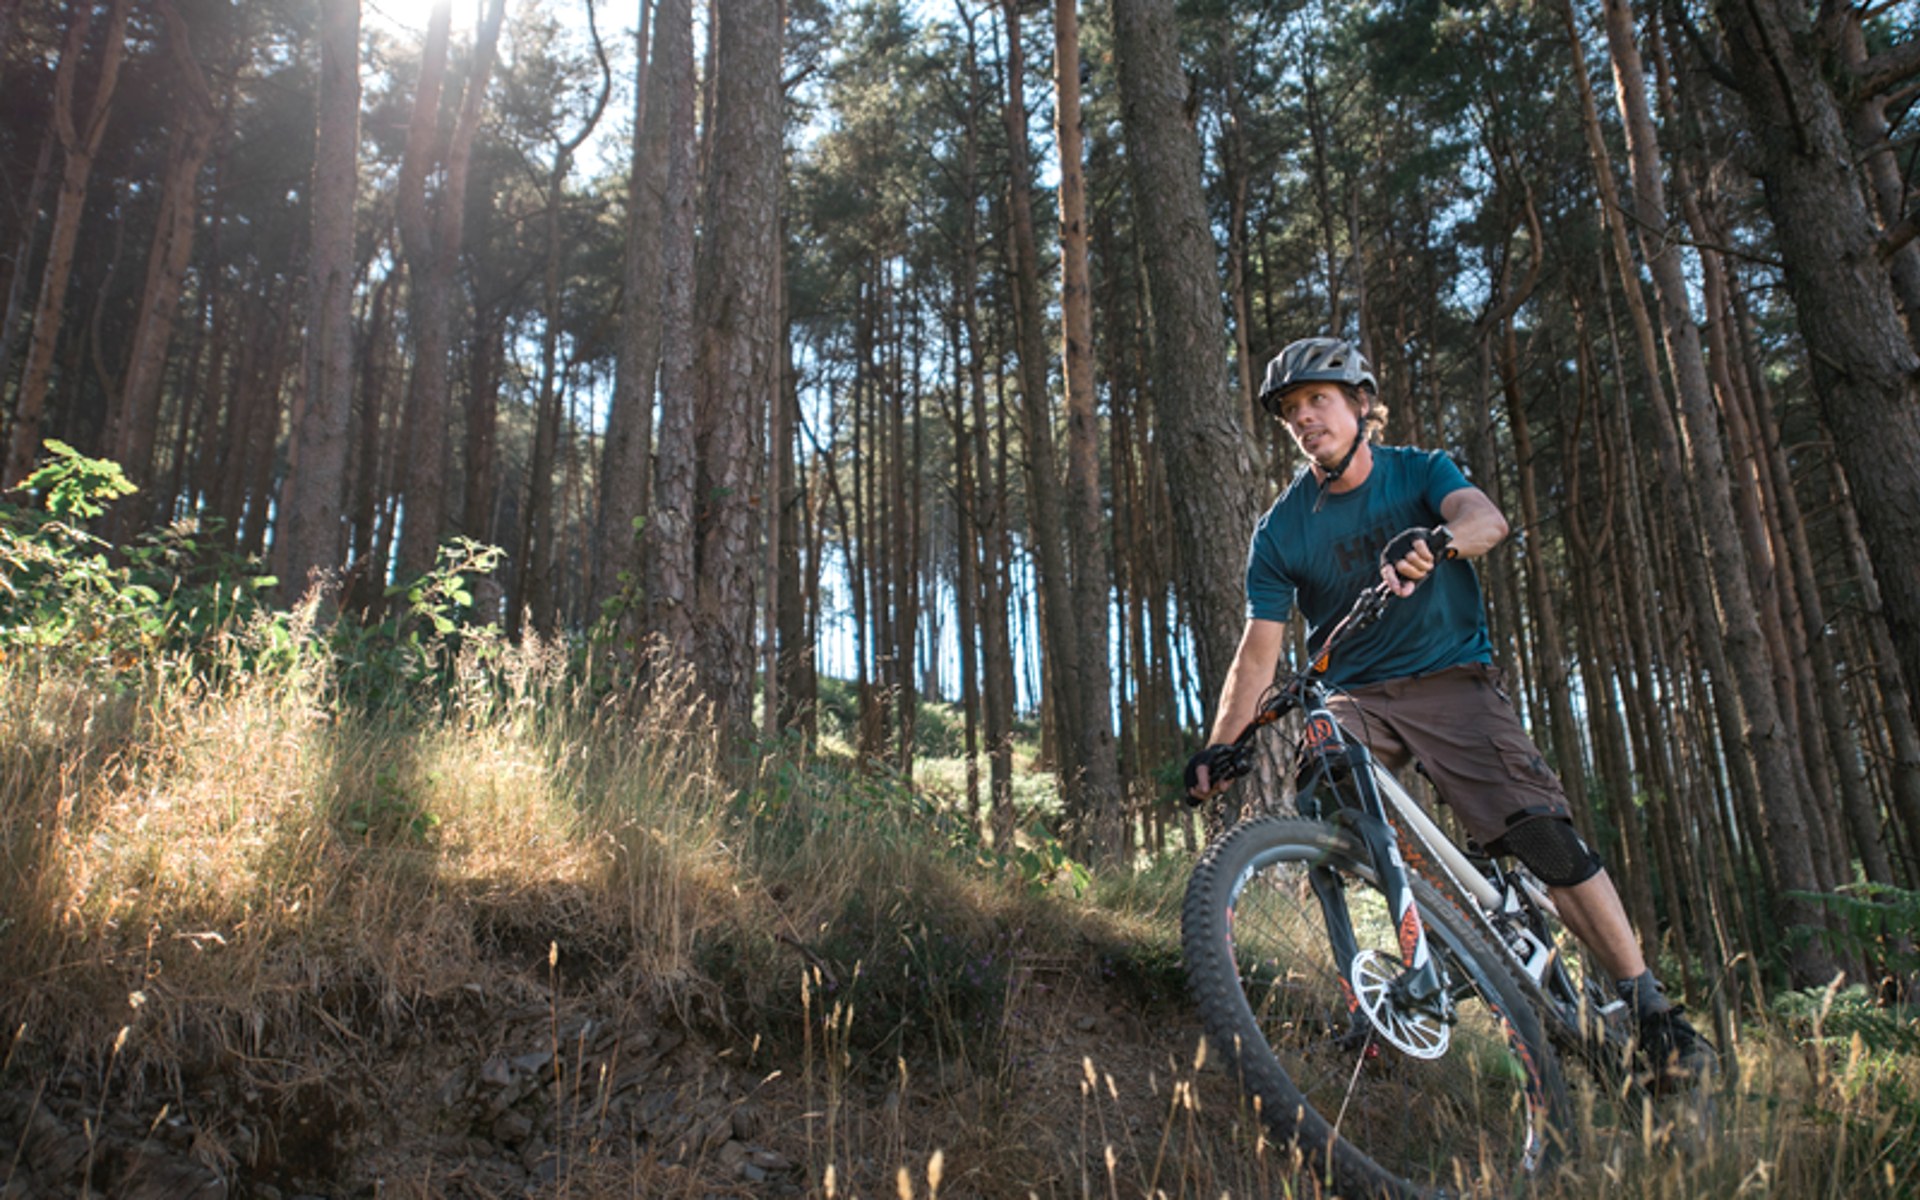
392, 815
1877, 923
60, 594
406, 657
1833, 1016
77, 487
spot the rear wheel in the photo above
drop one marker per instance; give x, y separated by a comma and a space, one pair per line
1371, 1104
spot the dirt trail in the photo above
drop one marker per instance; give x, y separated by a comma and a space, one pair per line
510, 1092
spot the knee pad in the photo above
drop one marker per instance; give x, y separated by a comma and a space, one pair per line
1552, 849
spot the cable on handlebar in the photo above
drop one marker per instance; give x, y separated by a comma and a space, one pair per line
1278, 702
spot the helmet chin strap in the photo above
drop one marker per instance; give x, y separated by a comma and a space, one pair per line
1335, 472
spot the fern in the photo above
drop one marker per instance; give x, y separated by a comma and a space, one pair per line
1877, 924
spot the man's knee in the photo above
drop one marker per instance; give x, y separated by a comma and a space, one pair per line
1552, 849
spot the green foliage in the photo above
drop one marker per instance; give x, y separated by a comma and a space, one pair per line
392, 815
60, 595
1876, 923
409, 657
70, 599
1042, 862
1834, 1016
879, 802
78, 487
1874, 1097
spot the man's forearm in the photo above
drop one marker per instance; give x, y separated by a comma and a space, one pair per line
1476, 524
1248, 678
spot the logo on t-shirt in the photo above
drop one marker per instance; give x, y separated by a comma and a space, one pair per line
1359, 555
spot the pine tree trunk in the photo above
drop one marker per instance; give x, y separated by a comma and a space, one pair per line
1901, 729
1863, 360
427, 304
668, 538
1766, 734
313, 527
80, 141
1599, 671
21, 260
535, 592
433, 252
1092, 585
1046, 508
362, 593
903, 533
134, 418
626, 461
485, 351
736, 309
1752, 732
1867, 122
798, 679
988, 508
1210, 472
1568, 755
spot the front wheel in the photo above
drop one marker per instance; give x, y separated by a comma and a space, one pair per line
1369, 1117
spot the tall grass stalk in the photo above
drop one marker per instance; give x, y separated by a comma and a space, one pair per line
197, 855
233, 831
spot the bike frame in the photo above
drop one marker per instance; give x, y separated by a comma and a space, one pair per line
1384, 815
1510, 905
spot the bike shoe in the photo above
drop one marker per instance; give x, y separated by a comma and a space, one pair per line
1673, 1055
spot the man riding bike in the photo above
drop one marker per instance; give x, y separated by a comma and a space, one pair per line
1422, 686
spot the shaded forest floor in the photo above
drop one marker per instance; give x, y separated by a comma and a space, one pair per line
526, 1085
545, 1065
531, 939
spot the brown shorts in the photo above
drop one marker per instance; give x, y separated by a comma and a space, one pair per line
1458, 725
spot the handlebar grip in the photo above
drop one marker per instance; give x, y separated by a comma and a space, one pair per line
1235, 764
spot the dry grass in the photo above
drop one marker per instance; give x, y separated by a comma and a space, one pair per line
184, 867
217, 843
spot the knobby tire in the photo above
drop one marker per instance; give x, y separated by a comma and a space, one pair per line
1482, 1117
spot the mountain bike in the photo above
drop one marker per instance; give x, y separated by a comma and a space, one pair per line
1396, 1006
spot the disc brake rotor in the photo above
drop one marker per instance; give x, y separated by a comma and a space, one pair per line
1419, 1034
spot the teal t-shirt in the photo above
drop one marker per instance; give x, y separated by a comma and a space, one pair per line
1321, 560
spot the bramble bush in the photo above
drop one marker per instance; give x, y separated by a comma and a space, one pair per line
70, 600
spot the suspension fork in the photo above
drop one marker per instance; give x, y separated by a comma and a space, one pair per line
1331, 889
1419, 984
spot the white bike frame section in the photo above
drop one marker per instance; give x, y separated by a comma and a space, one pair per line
1535, 955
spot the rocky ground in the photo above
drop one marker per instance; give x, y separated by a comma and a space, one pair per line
513, 1092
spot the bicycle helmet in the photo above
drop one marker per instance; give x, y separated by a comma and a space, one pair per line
1315, 360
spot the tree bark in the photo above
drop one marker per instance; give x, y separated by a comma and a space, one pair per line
134, 416
1755, 739
534, 593
1863, 362
1092, 583
988, 508
668, 539
736, 308
22, 260
432, 239
1867, 122
626, 461
80, 140
313, 530
1901, 729
1046, 508
1210, 472
485, 353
